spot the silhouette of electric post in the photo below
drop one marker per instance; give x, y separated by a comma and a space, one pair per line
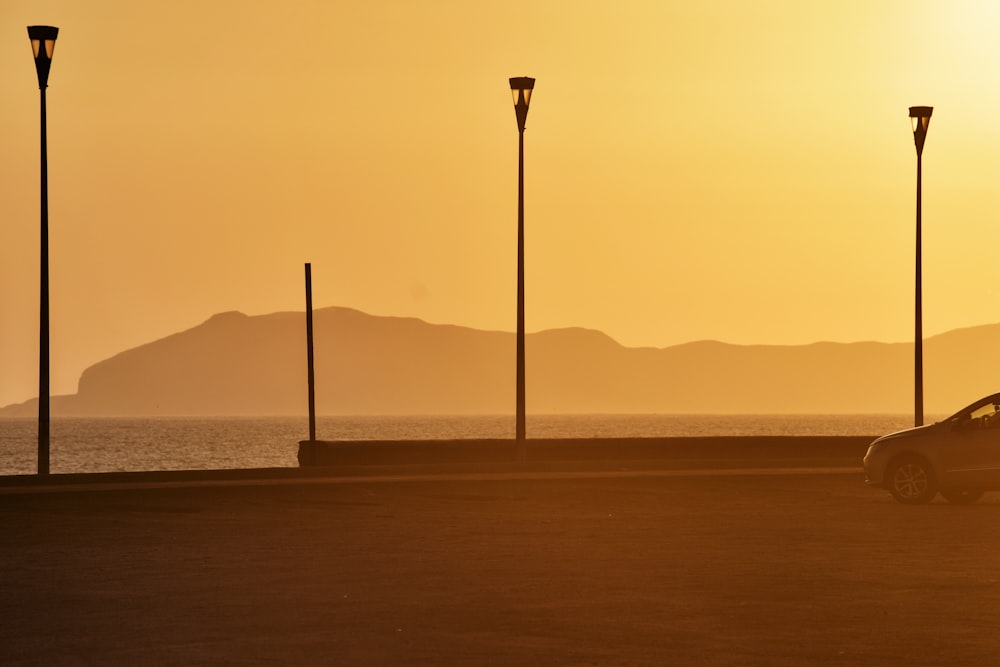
521, 88
920, 118
43, 43
309, 354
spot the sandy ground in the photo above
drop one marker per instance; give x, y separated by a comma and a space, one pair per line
752, 569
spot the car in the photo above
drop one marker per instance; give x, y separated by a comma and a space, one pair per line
958, 457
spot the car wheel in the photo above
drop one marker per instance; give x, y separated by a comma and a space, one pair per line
962, 496
911, 481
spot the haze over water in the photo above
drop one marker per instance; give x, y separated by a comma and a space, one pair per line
115, 444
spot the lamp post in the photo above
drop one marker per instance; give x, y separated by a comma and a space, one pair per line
43, 43
521, 88
920, 118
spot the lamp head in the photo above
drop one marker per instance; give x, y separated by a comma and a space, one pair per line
521, 87
920, 119
43, 44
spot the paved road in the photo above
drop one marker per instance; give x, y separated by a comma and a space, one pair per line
425, 476
703, 567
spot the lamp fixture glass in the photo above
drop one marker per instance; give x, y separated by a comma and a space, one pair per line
521, 88
920, 120
920, 117
43, 45
43, 34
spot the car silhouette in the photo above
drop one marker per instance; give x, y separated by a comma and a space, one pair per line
959, 456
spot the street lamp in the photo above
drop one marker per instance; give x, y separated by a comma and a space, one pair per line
521, 88
43, 44
920, 118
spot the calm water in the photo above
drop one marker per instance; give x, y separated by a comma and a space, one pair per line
119, 444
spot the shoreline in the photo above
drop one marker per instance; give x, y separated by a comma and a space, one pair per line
368, 458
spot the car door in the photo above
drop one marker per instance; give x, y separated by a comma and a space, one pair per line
972, 452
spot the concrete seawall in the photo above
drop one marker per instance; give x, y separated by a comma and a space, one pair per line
818, 450
360, 458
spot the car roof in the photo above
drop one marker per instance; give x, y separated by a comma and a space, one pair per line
992, 398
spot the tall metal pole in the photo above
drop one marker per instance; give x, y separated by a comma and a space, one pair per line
43, 44
920, 117
918, 337
520, 426
309, 354
43, 323
521, 88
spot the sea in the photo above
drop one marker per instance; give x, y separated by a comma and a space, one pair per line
112, 444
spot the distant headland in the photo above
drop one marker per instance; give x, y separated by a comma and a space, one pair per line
237, 365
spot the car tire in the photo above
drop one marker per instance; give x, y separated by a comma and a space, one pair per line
911, 481
961, 496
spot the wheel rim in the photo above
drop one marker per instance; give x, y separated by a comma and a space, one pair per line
910, 480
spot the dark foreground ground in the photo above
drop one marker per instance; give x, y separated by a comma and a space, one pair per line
709, 569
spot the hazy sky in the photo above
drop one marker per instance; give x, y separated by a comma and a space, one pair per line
740, 171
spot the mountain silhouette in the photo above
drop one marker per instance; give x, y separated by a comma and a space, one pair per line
234, 365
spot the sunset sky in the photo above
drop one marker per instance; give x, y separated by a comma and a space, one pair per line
729, 170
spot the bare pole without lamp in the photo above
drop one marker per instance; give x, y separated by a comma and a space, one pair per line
43, 44
521, 88
310, 358
920, 118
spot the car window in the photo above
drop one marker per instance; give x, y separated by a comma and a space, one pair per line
983, 411
984, 416
981, 408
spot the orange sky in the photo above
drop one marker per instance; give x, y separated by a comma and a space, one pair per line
728, 170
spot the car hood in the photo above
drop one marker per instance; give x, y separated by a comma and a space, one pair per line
914, 432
